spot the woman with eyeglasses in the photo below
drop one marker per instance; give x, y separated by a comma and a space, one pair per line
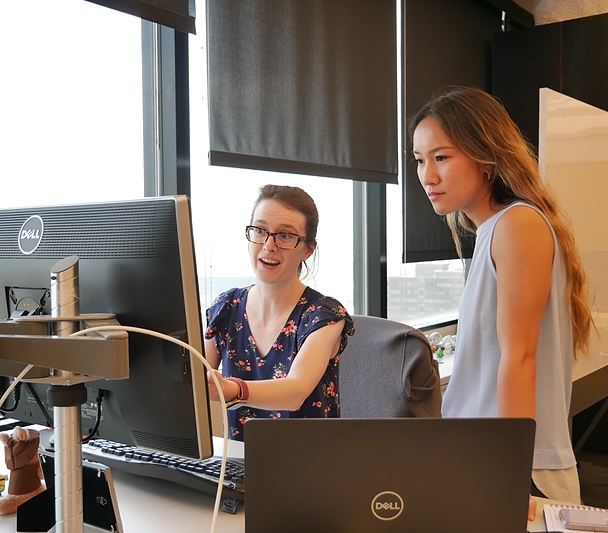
278, 341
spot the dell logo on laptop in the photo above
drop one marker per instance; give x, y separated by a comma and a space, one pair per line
30, 234
387, 505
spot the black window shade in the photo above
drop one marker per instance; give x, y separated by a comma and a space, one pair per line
304, 87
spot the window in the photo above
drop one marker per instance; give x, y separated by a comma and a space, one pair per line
223, 197
72, 132
70, 106
419, 294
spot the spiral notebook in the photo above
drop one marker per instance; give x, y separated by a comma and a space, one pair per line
551, 514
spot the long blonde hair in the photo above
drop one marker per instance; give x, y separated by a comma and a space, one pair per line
481, 128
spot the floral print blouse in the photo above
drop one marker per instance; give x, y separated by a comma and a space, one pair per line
227, 324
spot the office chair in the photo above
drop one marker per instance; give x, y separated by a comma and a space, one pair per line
387, 370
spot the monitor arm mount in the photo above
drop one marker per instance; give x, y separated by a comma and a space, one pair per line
65, 362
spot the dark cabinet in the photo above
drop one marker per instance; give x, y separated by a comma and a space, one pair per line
446, 42
585, 60
570, 57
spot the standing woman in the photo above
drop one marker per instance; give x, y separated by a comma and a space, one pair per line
524, 312
278, 340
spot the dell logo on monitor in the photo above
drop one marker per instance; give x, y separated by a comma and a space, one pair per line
30, 234
387, 505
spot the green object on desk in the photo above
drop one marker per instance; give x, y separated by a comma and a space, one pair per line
439, 353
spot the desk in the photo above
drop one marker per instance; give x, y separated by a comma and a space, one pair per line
151, 505
589, 386
539, 522
446, 364
589, 379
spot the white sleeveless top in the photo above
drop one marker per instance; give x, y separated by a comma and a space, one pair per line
472, 389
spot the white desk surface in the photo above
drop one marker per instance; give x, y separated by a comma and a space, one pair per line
589, 378
587, 364
539, 522
445, 368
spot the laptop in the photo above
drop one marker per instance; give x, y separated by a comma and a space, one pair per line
417, 475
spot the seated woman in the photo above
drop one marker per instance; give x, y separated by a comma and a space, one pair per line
278, 340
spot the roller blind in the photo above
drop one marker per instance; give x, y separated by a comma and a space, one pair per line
307, 87
177, 14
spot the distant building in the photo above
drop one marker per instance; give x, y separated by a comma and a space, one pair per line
433, 292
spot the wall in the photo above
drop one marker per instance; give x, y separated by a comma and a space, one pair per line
574, 159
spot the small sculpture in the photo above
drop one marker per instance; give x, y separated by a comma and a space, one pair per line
26, 478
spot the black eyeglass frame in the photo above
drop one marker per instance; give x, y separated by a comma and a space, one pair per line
274, 237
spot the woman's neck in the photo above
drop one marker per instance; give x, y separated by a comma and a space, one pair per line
269, 301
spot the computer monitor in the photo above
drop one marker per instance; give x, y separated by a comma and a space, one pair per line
136, 260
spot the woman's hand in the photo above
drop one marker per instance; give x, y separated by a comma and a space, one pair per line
531, 509
229, 388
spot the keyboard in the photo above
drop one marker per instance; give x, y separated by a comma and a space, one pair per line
201, 475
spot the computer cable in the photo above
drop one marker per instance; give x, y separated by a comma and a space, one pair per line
43, 409
185, 345
16, 399
17, 380
218, 496
98, 400
34, 394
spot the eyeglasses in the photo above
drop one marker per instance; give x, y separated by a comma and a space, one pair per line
282, 239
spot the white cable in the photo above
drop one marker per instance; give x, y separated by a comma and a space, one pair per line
185, 345
14, 383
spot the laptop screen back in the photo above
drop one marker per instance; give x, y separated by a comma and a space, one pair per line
388, 475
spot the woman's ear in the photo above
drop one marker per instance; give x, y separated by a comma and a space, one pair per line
488, 169
310, 249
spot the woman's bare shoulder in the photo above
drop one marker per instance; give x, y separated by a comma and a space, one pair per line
522, 231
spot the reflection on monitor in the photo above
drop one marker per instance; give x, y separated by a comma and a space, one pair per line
136, 260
